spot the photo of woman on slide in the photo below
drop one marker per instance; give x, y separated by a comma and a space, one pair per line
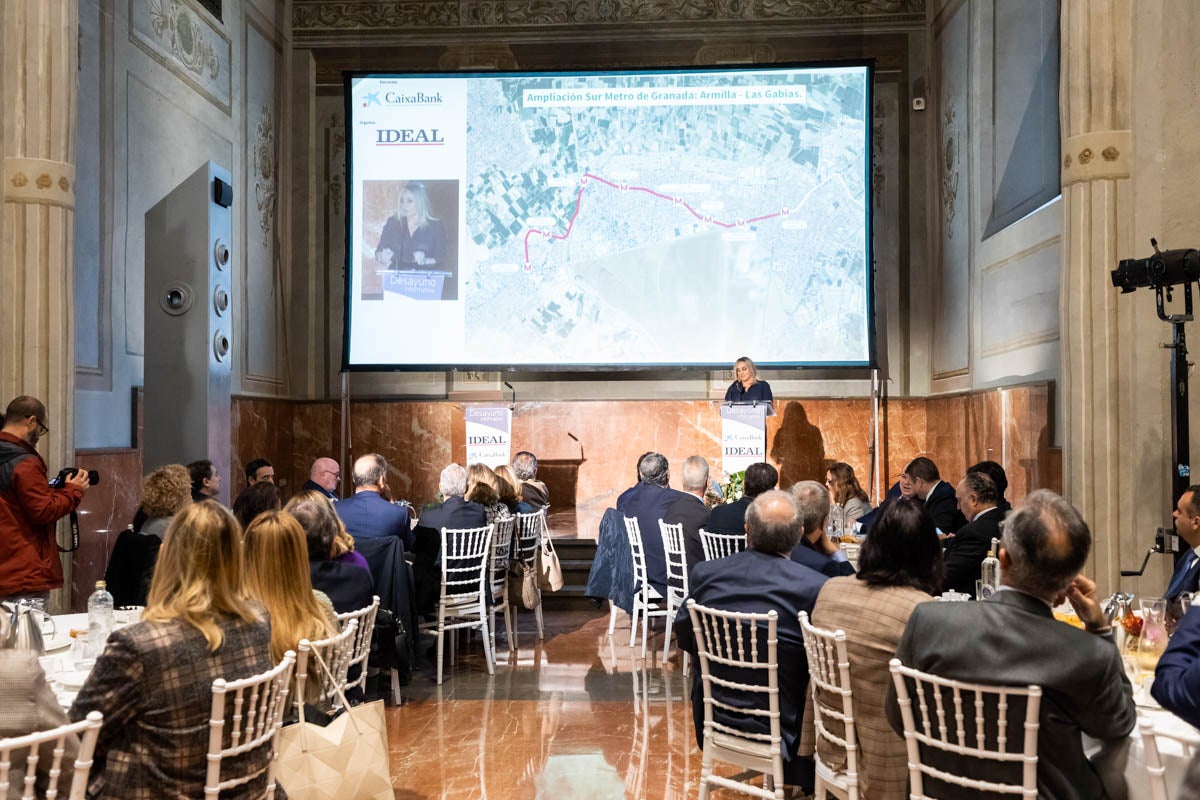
412, 238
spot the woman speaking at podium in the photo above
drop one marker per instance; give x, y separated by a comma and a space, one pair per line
747, 388
412, 238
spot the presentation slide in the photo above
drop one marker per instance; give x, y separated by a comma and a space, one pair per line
625, 219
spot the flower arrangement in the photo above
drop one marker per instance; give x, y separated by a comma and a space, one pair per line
732, 488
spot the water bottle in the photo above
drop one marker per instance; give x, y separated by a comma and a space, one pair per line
990, 572
100, 619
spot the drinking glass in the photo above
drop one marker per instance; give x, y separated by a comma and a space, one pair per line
1152, 641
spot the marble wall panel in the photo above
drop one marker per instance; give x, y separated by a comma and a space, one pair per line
316, 433
905, 436
107, 508
261, 428
415, 438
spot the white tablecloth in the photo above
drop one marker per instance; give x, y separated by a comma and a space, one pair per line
1137, 779
64, 664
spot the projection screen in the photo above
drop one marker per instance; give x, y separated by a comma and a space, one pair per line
618, 220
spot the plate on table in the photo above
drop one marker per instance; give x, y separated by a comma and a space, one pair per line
61, 640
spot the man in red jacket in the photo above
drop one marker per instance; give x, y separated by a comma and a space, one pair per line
29, 506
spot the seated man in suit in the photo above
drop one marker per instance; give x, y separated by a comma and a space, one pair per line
648, 501
731, 517
687, 508
815, 549
1012, 639
760, 579
455, 511
999, 477
370, 513
1187, 525
938, 496
1177, 677
965, 550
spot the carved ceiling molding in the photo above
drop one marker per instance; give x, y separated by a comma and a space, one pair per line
322, 17
477, 58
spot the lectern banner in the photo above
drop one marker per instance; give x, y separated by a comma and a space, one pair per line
489, 430
743, 436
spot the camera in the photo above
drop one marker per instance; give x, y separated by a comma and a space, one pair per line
69, 472
1168, 268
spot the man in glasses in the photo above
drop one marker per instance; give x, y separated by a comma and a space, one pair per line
29, 506
323, 477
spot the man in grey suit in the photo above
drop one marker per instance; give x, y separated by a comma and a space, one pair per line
1013, 639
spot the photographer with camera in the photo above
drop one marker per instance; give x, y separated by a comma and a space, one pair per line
29, 505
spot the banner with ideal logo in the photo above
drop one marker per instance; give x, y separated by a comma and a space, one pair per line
489, 434
743, 436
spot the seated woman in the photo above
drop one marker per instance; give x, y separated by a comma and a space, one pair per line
747, 388
343, 548
849, 500
277, 577
165, 491
483, 487
348, 586
262, 496
510, 488
153, 683
899, 566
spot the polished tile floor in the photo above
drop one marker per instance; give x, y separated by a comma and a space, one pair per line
578, 716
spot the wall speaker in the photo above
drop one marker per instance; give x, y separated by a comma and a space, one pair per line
189, 337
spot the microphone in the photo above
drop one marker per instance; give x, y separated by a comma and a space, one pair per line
576, 438
514, 391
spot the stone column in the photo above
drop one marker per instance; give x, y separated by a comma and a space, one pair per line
38, 76
1116, 424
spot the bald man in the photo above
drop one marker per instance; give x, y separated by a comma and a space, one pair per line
763, 578
369, 514
323, 478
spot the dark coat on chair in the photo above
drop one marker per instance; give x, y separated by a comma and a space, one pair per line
730, 517
758, 582
965, 551
131, 568
1012, 639
806, 555
942, 507
690, 511
392, 577
649, 504
611, 575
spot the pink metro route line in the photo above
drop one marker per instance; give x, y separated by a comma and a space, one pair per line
624, 187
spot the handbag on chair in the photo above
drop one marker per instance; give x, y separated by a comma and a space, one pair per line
523, 586
550, 575
346, 759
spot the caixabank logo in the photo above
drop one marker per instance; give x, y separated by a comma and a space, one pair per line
395, 98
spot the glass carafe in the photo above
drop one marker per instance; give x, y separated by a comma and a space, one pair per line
1152, 641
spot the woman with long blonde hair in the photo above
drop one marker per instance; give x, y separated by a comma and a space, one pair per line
483, 487
153, 682
277, 577
510, 487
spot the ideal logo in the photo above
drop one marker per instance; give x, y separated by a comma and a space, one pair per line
408, 136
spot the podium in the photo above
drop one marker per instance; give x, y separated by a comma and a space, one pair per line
418, 284
743, 435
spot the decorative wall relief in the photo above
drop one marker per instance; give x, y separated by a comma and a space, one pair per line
950, 164
317, 15
265, 187
186, 43
337, 164
878, 177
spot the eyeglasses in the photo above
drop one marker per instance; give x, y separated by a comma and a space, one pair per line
41, 426
337, 476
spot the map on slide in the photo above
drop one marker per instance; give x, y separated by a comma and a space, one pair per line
668, 214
